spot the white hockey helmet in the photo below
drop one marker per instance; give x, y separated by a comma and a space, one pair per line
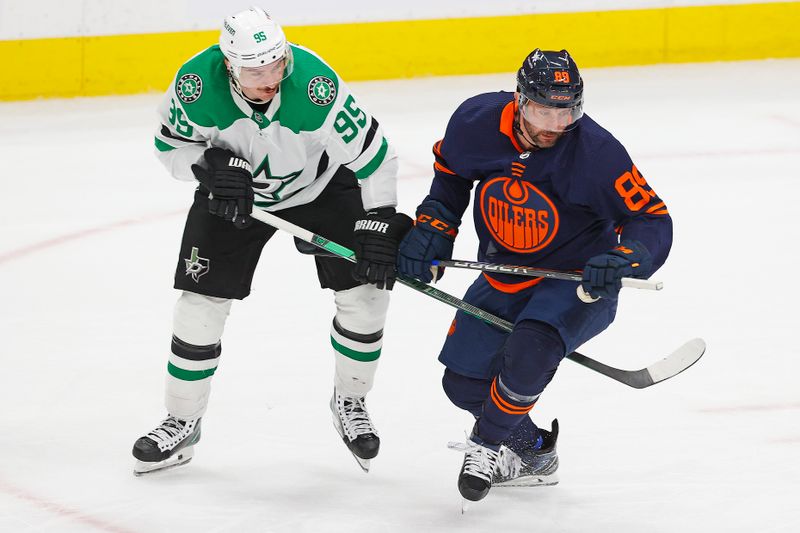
251, 39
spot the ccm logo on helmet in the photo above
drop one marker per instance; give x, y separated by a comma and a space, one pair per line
371, 225
560, 97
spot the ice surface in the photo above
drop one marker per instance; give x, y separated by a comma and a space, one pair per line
91, 225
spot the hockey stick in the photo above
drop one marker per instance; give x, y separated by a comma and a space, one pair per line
670, 366
541, 273
309, 249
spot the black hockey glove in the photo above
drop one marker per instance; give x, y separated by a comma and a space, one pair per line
602, 275
230, 183
432, 238
377, 236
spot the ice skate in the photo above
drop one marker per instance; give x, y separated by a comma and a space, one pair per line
352, 422
169, 445
529, 468
480, 461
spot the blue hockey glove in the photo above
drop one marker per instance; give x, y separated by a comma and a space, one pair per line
376, 238
431, 238
602, 275
230, 182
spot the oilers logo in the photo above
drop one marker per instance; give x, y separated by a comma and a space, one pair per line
520, 217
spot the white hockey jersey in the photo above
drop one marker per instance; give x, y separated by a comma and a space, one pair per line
312, 126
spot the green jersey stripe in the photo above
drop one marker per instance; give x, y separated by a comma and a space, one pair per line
162, 146
373, 165
353, 354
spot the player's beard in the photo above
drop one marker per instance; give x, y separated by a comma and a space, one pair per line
540, 138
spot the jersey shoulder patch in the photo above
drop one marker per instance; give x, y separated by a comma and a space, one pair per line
308, 94
203, 90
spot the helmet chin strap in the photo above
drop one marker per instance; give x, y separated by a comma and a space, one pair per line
523, 134
518, 128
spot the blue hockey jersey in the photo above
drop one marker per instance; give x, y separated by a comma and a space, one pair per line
549, 208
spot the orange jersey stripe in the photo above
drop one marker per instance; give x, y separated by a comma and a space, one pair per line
507, 123
437, 148
511, 288
656, 207
442, 168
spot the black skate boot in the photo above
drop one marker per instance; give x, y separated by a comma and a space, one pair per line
529, 466
352, 422
480, 460
170, 444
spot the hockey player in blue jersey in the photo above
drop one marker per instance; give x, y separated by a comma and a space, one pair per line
553, 189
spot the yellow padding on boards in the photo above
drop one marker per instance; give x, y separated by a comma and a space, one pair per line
126, 64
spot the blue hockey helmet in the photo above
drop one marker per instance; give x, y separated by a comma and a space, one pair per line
551, 79
550, 90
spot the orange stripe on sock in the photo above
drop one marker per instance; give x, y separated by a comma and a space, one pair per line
504, 405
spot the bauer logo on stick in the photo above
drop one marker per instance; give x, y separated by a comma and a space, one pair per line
190, 87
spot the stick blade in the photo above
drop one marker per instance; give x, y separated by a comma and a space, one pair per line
676, 362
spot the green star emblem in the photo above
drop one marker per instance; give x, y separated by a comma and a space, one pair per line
321, 90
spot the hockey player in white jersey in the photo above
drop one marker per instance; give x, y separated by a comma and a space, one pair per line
258, 121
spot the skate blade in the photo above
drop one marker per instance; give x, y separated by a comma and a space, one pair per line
465, 505
529, 481
182, 457
363, 463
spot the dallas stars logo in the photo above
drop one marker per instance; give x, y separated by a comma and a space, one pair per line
321, 90
190, 87
196, 266
273, 191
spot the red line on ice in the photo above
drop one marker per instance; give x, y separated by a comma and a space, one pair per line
62, 510
62, 239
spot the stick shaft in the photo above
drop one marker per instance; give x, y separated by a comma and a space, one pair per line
541, 273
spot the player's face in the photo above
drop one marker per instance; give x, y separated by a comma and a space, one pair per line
261, 83
545, 125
